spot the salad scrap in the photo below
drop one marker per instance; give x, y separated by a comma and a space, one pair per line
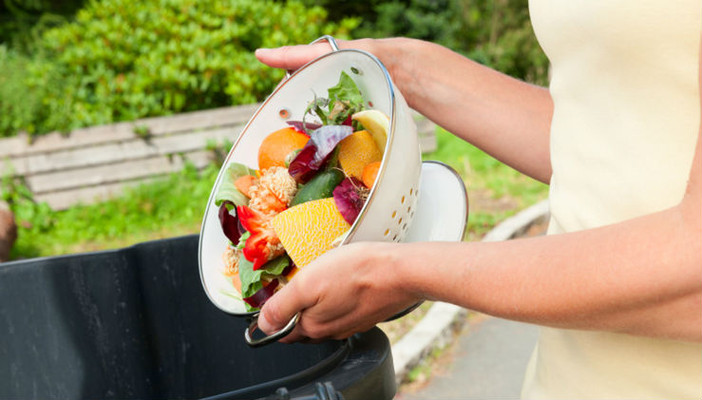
313, 179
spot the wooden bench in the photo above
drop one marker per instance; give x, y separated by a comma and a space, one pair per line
94, 163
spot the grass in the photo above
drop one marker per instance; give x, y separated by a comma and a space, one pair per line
175, 205
170, 207
495, 191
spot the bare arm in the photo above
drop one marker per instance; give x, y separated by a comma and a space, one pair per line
497, 113
642, 276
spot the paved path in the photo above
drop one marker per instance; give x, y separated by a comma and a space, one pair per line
488, 362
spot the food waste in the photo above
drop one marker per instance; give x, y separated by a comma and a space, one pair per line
310, 185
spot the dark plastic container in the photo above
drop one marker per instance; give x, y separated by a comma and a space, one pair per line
135, 323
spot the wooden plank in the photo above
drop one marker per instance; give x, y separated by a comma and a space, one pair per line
426, 130
157, 126
61, 200
13, 145
427, 144
87, 195
13, 167
199, 120
110, 173
126, 150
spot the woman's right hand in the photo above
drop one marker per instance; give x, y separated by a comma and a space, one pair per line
394, 53
293, 57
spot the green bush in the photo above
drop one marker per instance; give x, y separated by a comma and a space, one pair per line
496, 33
26, 87
22, 20
437, 21
122, 60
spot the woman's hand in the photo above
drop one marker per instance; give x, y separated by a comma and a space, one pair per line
393, 53
293, 57
345, 291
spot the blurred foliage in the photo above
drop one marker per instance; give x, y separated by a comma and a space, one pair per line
434, 20
21, 21
121, 60
35, 95
496, 33
164, 208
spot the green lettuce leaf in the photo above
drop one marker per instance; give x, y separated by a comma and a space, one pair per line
344, 99
251, 281
345, 91
242, 240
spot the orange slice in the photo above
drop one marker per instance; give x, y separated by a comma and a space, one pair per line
357, 151
277, 145
308, 230
370, 173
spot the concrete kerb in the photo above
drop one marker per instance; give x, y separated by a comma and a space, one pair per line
443, 320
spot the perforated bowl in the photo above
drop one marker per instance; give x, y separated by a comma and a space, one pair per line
388, 212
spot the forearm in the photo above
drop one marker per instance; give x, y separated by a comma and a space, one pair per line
505, 117
642, 276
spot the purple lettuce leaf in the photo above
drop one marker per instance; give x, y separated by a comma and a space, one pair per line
262, 295
349, 197
316, 152
229, 221
304, 127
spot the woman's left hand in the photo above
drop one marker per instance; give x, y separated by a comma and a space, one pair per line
345, 291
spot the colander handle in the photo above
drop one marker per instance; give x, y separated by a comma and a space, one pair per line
330, 39
332, 43
248, 333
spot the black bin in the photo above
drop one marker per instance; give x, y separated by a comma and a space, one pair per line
135, 323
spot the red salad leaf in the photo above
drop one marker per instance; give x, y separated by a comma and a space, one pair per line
301, 167
229, 221
316, 152
348, 121
349, 197
261, 296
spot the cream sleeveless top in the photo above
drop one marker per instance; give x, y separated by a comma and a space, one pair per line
626, 118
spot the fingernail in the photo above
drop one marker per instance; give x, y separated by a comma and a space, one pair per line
261, 51
263, 323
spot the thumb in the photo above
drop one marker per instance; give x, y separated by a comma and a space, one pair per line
280, 309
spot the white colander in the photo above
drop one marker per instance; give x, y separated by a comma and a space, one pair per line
391, 205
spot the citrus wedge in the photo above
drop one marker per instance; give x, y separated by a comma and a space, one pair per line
278, 145
357, 151
375, 122
308, 230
